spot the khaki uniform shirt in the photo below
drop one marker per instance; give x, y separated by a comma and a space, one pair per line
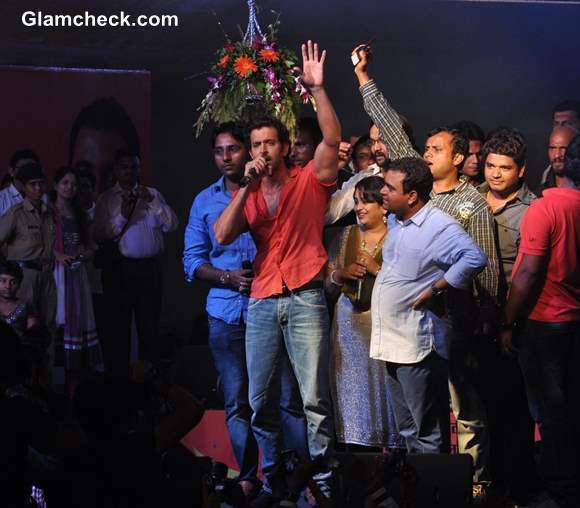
27, 234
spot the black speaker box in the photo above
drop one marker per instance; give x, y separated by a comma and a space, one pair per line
431, 481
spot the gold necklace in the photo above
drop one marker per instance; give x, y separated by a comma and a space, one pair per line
363, 244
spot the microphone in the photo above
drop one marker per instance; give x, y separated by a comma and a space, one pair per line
248, 179
247, 265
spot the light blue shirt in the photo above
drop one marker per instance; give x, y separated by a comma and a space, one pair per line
416, 253
200, 247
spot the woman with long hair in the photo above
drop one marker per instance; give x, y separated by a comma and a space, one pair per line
362, 408
72, 248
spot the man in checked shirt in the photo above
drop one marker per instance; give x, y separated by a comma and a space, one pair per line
474, 313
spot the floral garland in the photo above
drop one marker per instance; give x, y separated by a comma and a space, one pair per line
253, 79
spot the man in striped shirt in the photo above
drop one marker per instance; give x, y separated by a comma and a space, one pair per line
473, 312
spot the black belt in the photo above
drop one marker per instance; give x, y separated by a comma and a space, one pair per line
313, 284
30, 265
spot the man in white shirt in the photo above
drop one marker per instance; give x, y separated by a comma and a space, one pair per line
342, 201
12, 194
135, 217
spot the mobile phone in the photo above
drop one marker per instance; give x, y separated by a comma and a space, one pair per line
355, 57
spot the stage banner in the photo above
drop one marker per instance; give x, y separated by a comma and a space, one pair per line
76, 117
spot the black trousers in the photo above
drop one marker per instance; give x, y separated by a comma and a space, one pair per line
549, 356
511, 428
132, 287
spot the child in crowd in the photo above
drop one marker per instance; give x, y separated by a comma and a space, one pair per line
16, 313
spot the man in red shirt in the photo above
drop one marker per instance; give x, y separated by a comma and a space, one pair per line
284, 207
545, 295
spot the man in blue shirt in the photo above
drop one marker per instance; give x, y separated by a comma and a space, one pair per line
425, 253
228, 269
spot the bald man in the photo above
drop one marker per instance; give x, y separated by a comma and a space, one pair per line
559, 140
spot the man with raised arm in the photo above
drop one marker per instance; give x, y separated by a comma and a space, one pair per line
283, 207
473, 313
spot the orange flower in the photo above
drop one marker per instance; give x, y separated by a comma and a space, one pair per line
244, 66
269, 55
223, 61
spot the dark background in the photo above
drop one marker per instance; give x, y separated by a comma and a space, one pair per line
497, 63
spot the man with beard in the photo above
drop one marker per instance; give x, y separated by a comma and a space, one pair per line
283, 207
342, 201
474, 312
559, 140
228, 269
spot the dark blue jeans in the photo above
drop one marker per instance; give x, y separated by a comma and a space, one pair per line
549, 355
421, 403
227, 343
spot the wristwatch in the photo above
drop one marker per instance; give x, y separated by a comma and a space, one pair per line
225, 277
436, 291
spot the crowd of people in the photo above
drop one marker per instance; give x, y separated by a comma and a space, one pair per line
359, 291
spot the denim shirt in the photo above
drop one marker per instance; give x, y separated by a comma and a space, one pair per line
200, 247
416, 253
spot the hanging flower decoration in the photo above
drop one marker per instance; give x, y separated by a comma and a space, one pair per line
223, 61
253, 77
245, 66
269, 54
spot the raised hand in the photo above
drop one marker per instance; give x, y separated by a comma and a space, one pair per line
362, 52
312, 75
344, 154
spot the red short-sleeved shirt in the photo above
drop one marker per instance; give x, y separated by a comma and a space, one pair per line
551, 228
290, 248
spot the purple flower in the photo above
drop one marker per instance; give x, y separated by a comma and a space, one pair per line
269, 74
214, 82
301, 91
270, 77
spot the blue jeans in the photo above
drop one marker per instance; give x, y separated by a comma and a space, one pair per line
227, 344
549, 355
298, 323
421, 403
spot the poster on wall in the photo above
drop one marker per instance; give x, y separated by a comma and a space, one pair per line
76, 117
